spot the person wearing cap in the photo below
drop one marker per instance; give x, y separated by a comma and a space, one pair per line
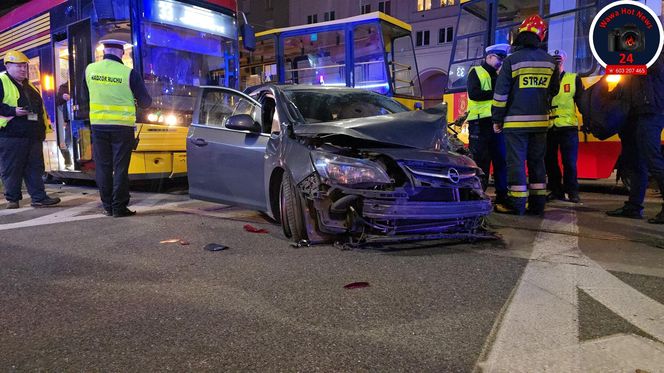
485, 145
23, 127
114, 90
525, 86
563, 136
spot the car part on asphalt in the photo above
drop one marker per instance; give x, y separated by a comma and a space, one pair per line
215, 247
252, 229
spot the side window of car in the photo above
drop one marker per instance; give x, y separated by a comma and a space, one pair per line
218, 105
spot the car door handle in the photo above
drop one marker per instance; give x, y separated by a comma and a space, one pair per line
199, 142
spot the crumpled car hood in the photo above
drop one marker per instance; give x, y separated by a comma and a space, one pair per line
413, 129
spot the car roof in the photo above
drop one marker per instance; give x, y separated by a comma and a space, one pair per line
306, 87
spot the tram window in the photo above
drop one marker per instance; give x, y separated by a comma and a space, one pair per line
259, 66
201, 59
515, 11
402, 67
369, 64
570, 33
316, 59
557, 6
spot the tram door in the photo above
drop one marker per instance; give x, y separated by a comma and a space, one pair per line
63, 113
79, 46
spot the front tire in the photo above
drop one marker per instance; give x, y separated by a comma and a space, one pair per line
291, 211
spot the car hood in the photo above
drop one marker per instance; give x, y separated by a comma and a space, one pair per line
413, 129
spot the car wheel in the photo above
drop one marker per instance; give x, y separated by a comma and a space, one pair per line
291, 211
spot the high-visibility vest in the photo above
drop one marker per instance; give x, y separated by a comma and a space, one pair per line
111, 98
480, 109
563, 113
11, 96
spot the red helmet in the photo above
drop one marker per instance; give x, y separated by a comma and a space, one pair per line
534, 24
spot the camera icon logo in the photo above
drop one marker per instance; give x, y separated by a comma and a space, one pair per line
628, 38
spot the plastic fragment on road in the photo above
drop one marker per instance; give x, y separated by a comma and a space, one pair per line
252, 229
215, 247
357, 285
301, 243
175, 240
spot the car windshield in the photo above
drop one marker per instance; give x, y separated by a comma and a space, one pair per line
318, 106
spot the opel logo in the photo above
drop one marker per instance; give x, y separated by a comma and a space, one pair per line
453, 175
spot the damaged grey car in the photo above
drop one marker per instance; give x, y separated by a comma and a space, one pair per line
334, 164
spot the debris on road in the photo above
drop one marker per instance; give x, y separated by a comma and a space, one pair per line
215, 247
301, 243
357, 285
252, 229
175, 240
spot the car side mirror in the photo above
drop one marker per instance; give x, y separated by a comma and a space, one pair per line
243, 122
248, 35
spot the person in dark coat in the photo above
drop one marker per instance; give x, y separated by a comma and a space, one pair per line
23, 127
641, 143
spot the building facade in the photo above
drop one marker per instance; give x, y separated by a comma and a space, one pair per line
266, 14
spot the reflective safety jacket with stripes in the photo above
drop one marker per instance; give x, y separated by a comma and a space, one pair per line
527, 82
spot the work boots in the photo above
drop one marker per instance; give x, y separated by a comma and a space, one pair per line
627, 211
513, 206
536, 205
48, 201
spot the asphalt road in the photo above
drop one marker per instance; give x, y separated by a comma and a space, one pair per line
80, 291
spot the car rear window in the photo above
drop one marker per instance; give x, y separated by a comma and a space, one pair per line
330, 106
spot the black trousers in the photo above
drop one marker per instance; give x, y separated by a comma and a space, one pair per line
112, 146
22, 159
488, 147
526, 147
566, 141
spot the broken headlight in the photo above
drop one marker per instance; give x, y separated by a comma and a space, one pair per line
348, 171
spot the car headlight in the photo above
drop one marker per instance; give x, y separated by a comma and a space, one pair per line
348, 171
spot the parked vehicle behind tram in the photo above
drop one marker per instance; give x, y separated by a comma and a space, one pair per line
175, 45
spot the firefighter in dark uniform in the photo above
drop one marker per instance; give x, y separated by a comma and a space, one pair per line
526, 83
563, 135
23, 127
114, 90
485, 145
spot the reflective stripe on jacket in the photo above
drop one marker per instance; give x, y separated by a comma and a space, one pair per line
480, 109
524, 88
111, 98
11, 96
563, 109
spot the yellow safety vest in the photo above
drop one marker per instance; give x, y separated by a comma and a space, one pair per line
480, 109
563, 113
11, 96
111, 99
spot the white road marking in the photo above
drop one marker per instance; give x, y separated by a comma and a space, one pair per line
539, 330
144, 202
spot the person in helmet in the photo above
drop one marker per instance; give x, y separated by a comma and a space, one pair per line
527, 82
23, 127
563, 136
486, 146
114, 90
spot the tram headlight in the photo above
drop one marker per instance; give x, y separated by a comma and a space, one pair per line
152, 117
171, 120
